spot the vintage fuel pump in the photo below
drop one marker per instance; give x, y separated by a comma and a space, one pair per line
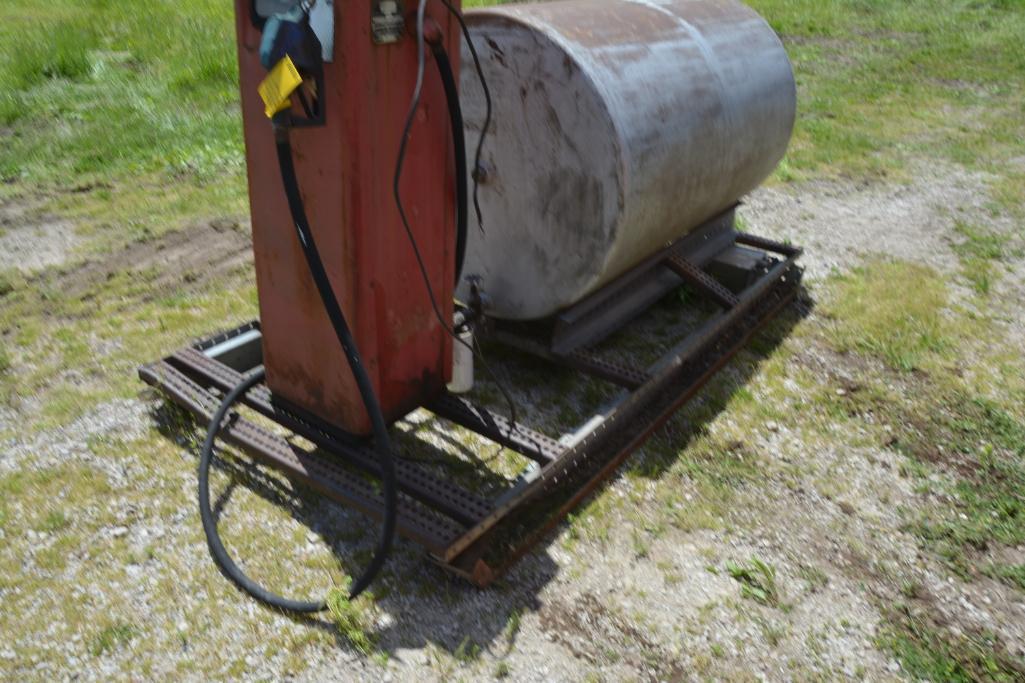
350, 119
608, 171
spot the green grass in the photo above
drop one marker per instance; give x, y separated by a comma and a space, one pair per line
1012, 574
979, 250
94, 90
891, 310
352, 621
986, 447
757, 580
880, 80
113, 636
927, 654
943, 419
124, 118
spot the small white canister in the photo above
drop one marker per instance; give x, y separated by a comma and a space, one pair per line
462, 363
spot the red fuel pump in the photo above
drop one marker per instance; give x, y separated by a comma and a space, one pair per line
356, 312
345, 168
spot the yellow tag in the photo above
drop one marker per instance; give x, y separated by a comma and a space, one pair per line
278, 87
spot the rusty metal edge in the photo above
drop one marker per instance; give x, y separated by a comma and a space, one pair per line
482, 575
554, 470
443, 496
309, 469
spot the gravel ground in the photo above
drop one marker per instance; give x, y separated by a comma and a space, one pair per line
839, 223
590, 605
29, 241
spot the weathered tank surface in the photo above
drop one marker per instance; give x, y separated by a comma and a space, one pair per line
618, 126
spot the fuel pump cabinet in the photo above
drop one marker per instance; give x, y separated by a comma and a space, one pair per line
345, 170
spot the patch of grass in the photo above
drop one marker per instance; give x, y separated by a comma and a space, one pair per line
978, 250
877, 79
891, 310
929, 654
985, 447
958, 422
1011, 574
979, 242
979, 274
757, 580
112, 637
9, 281
120, 90
512, 626
468, 651
816, 578
55, 522
774, 634
352, 621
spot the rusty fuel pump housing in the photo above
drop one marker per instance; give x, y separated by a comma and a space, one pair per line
345, 169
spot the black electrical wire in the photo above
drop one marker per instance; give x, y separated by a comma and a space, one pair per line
400, 161
366, 390
455, 114
477, 168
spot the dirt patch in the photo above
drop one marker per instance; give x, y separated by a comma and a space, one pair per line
840, 222
30, 241
189, 258
596, 635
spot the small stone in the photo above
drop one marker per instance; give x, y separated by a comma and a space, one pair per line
311, 537
893, 666
183, 626
841, 392
772, 426
119, 531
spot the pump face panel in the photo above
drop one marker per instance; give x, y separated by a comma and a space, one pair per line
322, 19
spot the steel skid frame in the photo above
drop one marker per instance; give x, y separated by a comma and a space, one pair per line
748, 278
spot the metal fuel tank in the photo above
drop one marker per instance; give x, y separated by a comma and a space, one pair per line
618, 126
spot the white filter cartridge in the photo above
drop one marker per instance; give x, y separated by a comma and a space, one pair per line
462, 364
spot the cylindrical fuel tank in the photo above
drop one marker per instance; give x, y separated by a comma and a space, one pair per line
618, 126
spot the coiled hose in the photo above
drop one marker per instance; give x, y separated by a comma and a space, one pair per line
348, 343
382, 441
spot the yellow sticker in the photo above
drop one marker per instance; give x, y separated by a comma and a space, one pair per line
278, 87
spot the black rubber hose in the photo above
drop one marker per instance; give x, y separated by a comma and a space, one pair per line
455, 115
213, 539
382, 440
366, 390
